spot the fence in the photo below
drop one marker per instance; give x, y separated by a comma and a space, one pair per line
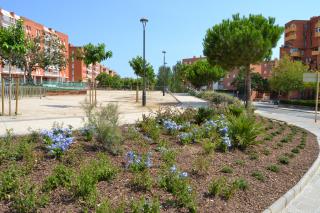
56, 86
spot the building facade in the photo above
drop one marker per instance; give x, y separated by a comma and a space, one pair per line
79, 72
264, 69
302, 41
34, 29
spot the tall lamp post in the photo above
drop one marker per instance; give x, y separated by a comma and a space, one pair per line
164, 70
144, 23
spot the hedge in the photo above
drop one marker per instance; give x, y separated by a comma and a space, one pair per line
308, 103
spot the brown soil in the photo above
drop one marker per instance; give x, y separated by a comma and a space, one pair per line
256, 198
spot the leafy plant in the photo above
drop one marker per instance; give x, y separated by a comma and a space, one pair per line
151, 128
142, 181
243, 130
145, 205
201, 165
226, 169
105, 207
61, 176
283, 159
204, 113
273, 168
241, 184
9, 182
208, 146
295, 150
258, 175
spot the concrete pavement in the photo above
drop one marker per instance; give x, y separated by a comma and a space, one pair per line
36, 113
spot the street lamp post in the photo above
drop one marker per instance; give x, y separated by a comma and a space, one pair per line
144, 23
164, 70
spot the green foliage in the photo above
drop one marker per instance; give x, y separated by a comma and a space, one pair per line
226, 169
105, 207
288, 75
145, 206
241, 184
106, 80
253, 156
105, 122
92, 54
258, 175
219, 98
203, 114
243, 130
169, 156
164, 77
201, 73
216, 186
258, 83
180, 188
142, 181
9, 182
220, 187
235, 109
61, 176
208, 146
283, 159
241, 41
240, 162
137, 65
151, 128
266, 151
178, 80
273, 168
308, 103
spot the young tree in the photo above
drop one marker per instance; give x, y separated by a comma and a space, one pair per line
240, 42
179, 77
137, 66
91, 54
201, 73
258, 83
12, 48
288, 76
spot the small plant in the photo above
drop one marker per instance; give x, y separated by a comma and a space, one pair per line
186, 138
240, 162
253, 156
273, 168
241, 184
295, 150
268, 138
171, 126
151, 128
9, 182
208, 146
201, 165
133, 133
235, 109
216, 186
283, 159
258, 175
204, 113
279, 144
61, 176
266, 151
285, 140
137, 162
145, 205
142, 181
87, 132
226, 169
169, 156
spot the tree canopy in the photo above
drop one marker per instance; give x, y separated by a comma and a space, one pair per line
241, 41
137, 66
288, 75
201, 73
164, 76
92, 54
258, 83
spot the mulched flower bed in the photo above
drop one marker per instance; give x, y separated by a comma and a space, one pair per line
241, 164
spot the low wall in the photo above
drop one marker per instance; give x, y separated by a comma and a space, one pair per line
66, 92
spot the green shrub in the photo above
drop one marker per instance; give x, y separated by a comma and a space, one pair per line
253, 156
220, 187
133, 134
283, 160
104, 121
226, 169
61, 176
273, 168
105, 207
203, 114
151, 128
284, 140
169, 156
268, 138
236, 110
266, 151
145, 206
308, 103
142, 181
219, 98
216, 186
240, 162
258, 175
243, 130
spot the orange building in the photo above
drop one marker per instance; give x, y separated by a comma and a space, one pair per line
302, 41
264, 69
34, 29
79, 72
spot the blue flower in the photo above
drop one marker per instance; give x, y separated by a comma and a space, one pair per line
173, 169
183, 175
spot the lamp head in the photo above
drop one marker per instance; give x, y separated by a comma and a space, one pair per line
144, 21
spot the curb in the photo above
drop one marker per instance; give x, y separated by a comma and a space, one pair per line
280, 204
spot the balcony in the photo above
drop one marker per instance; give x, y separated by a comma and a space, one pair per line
316, 52
292, 28
290, 37
51, 74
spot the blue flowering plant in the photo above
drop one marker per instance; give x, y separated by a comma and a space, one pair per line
136, 162
186, 138
57, 140
171, 126
177, 183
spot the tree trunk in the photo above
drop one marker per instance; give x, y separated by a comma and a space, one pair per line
248, 86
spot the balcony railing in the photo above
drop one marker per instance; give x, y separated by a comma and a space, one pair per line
51, 74
291, 37
316, 52
295, 54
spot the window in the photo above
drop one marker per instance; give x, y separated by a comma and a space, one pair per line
318, 30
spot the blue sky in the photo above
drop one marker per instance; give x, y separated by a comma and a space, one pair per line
177, 26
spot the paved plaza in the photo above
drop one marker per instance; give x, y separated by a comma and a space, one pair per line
36, 113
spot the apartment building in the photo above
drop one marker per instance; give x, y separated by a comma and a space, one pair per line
34, 29
264, 69
79, 72
302, 41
